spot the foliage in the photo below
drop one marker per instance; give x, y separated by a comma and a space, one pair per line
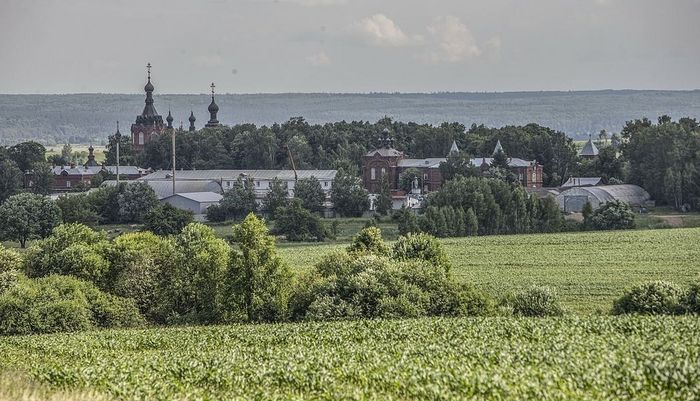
237, 202
309, 191
276, 198
166, 219
258, 281
407, 221
26, 154
348, 195
135, 201
691, 302
10, 179
216, 213
536, 302
41, 178
458, 164
369, 241
652, 298
9, 260
298, 224
384, 204
614, 215
28, 216
59, 303
77, 208
420, 247
195, 277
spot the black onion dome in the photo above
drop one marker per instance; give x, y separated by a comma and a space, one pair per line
192, 118
170, 118
149, 86
213, 107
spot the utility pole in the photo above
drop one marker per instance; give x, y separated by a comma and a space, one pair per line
118, 135
173, 144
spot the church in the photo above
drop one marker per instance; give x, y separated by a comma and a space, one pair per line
149, 123
392, 162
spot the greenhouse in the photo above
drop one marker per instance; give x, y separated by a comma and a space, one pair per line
573, 200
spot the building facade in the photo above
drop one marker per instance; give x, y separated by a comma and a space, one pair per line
391, 162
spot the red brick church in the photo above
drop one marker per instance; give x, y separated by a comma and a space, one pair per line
392, 162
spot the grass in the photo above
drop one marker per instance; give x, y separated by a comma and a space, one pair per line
621, 358
589, 270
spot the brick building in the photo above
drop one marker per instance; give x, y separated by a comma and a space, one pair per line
392, 162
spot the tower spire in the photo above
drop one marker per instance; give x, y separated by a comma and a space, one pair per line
149, 110
192, 120
213, 110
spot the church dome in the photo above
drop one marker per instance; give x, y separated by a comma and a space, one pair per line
192, 118
149, 86
213, 107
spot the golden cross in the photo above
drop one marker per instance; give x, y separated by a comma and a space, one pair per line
212, 88
148, 67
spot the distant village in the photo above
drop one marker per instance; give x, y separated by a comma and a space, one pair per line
197, 190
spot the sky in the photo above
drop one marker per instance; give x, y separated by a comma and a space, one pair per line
275, 46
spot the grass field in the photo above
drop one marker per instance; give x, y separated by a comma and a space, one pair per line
589, 270
592, 358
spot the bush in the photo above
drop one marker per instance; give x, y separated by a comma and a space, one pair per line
536, 302
420, 247
216, 213
299, 224
371, 286
691, 301
653, 298
615, 215
60, 303
167, 220
369, 240
9, 260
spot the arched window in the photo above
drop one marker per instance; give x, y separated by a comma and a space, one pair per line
534, 175
383, 171
372, 174
141, 138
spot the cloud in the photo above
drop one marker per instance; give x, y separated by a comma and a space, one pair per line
319, 59
379, 30
451, 41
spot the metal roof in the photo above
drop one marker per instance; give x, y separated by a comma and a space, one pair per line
582, 182
164, 188
631, 194
589, 149
217, 175
92, 170
386, 152
201, 197
434, 162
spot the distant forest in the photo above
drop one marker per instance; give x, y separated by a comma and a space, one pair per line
90, 118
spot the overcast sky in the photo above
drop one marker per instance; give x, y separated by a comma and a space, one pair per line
251, 46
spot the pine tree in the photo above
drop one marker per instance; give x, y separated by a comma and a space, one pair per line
471, 222
384, 199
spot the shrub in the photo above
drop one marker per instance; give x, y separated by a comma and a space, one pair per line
60, 303
299, 224
691, 301
369, 240
216, 213
653, 298
536, 302
9, 260
420, 247
167, 220
614, 215
407, 221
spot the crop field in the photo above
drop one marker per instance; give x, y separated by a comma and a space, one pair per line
590, 358
588, 270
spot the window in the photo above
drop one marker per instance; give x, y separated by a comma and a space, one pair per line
67, 184
325, 184
257, 184
383, 171
228, 184
425, 177
372, 174
534, 176
141, 138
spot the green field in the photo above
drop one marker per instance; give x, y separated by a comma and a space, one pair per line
589, 270
592, 358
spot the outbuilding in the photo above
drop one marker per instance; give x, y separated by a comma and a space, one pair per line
196, 202
573, 200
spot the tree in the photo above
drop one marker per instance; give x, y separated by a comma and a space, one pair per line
368, 241
166, 219
25, 154
136, 200
298, 224
408, 177
28, 216
587, 213
10, 179
383, 205
348, 195
407, 221
614, 215
239, 200
276, 198
471, 222
127, 156
66, 153
42, 178
258, 281
77, 208
607, 165
458, 163
309, 191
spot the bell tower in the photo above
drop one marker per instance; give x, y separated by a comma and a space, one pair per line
149, 122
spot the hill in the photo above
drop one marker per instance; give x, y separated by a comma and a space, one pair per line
90, 118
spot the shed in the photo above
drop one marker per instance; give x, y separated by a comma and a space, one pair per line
573, 200
196, 202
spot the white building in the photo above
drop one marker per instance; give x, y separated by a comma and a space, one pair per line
196, 202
